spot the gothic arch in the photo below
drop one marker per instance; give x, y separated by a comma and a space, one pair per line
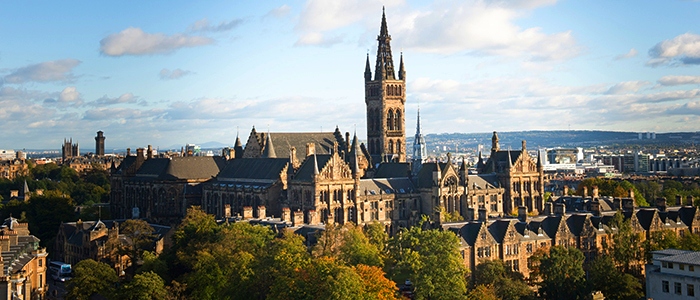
391, 147
390, 119
397, 120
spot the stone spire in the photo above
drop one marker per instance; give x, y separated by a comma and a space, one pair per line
385, 64
315, 165
269, 151
419, 149
402, 71
510, 160
368, 70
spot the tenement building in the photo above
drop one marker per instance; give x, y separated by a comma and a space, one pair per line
24, 264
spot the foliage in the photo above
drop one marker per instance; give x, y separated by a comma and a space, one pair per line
357, 248
144, 286
482, 292
140, 236
377, 235
625, 249
613, 188
614, 284
506, 284
431, 260
562, 275
659, 240
689, 241
376, 285
92, 278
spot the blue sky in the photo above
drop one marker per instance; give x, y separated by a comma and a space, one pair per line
177, 72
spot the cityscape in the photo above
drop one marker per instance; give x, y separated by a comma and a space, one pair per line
545, 186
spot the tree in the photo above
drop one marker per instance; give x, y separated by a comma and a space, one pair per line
323, 278
377, 235
376, 285
690, 241
144, 286
45, 214
562, 275
625, 249
482, 292
92, 278
659, 240
140, 237
605, 277
356, 248
506, 284
431, 260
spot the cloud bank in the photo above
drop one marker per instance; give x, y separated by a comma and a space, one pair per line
134, 41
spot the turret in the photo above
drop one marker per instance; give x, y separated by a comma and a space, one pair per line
494, 143
368, 70
402, 72
269, 151
384, 68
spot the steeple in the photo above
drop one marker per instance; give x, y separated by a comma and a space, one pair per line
269, 151
368, 70
419, 149
402, 72
385, 64
315, 165
510, 160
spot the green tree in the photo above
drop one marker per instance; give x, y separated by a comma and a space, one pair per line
604, 276
659, 240
92, 278
45, 214
507, 284
431, 260
690, 241
140, 237
625, 248
324, 278
377, 235
482, 292
357, 249
561, 273
144, 286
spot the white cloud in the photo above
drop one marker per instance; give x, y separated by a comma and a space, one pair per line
134, 41
632, 53
683, 49
627, 87
280, 12
446, 27
672, 80
204, 26
69, 95
124, 98
56, 70
166, 74
117, 113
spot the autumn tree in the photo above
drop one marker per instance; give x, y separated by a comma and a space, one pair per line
140, 237
625, 249
506, 283
376, 285
144, 286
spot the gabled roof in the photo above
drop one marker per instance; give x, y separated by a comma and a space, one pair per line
483, 181
253, 168
393, 170
306, 170
425, 175
576, 222
499, 229
187, 168
323, 142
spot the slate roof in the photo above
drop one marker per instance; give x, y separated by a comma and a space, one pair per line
306, 170
499, 228
645, 217
386, 185
425, 175
183, 168
393, 170
241, 169
125, 164
323, 142
483, 181
576, 223
689, 258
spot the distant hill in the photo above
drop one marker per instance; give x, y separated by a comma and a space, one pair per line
555, 138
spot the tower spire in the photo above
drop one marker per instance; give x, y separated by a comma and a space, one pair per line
385, 64
368, 70
269, 151
402, 71
419, 148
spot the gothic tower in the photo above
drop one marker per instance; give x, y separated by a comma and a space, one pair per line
385, 97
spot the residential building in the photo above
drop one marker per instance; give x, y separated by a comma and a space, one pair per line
673, 274
24, 265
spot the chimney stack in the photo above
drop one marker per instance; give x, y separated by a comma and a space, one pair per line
690, 200
522, 214
585, 192
482, 214
595, 207
559, 209
595, 192
661, 203
679, 200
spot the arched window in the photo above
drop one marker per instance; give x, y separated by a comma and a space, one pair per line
377, 149
390, 119
391, 147
397, 120
377, 119
398, 146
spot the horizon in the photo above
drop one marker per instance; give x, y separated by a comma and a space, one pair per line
143, 77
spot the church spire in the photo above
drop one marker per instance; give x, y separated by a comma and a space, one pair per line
385, 64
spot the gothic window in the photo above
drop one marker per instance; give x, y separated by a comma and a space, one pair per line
391, 147
376, 146
377, 119
390, 119
398, 146
397, 120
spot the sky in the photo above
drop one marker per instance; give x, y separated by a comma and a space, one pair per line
168, 73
